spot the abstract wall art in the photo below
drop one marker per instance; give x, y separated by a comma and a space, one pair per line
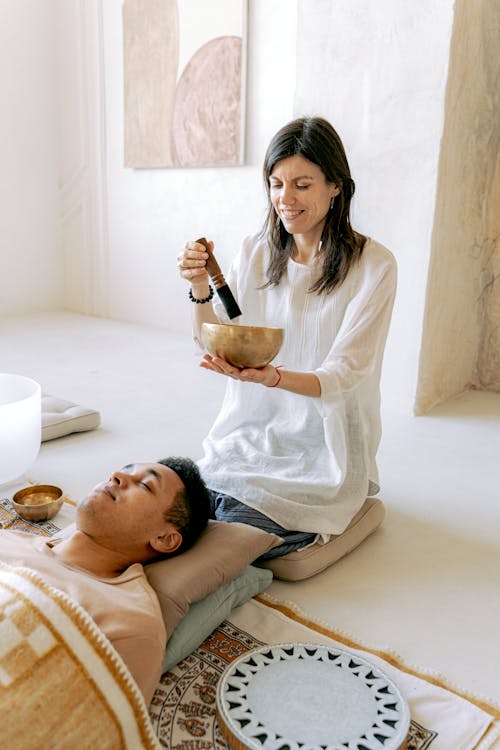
184, 82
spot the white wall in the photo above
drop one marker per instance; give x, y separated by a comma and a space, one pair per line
152, 213
378, 72
30, 269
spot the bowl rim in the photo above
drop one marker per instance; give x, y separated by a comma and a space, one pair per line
33, 489
240, 327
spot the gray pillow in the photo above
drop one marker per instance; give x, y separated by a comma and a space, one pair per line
204, 616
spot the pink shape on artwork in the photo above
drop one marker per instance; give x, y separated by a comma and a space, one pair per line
207, 111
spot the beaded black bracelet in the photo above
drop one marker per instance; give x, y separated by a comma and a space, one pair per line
202, 301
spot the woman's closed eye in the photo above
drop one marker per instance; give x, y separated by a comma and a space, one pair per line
298, 186
146, 486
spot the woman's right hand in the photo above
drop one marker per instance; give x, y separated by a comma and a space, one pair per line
191, 263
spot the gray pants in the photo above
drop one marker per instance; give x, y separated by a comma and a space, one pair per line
226, 508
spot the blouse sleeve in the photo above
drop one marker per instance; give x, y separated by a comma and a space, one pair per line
357, 352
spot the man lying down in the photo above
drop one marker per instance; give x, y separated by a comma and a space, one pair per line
142, 512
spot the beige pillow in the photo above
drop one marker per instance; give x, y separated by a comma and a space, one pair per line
304, 563
220, 554
60, 417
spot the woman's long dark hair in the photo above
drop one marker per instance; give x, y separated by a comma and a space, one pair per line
316, 140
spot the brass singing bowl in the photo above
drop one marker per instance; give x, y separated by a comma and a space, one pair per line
38, 503
242, 346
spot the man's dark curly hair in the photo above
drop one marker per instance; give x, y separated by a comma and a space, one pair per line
191, 506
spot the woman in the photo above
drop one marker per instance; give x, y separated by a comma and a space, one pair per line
293, 447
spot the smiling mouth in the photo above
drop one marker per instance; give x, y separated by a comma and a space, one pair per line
290, 214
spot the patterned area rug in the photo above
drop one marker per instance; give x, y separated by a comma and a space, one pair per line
183, 708
184, 705
10, 520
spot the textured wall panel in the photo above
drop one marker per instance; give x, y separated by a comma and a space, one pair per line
461, 337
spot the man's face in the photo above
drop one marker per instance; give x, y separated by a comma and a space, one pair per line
126, 512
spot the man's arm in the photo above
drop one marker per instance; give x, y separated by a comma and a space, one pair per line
144, 659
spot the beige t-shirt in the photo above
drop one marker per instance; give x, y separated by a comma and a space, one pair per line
125, 608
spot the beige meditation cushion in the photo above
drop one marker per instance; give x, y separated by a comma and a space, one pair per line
304, 563
60, 417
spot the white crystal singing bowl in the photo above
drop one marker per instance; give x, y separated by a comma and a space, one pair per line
20, 425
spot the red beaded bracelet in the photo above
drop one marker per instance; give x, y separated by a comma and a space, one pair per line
278, 368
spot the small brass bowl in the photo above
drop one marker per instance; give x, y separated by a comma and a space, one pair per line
38, 503
242, 346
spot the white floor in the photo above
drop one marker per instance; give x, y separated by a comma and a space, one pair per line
426, 584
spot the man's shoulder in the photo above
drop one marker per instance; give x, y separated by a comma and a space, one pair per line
134, 584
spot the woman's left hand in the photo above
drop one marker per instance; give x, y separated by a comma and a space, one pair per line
263, 375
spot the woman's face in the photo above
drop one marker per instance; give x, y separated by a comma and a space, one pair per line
301, 195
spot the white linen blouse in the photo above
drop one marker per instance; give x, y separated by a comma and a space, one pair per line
308, 463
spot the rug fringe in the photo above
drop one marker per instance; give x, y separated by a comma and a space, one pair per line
384, 652
491, 736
